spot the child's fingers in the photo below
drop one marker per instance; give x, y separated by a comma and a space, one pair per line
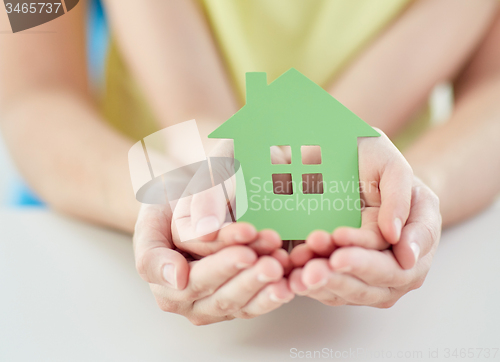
377, 268
267, 242
315, 273
269, 298
368, 236
230, 234
237, 233
321, 243
208, 213
339, 288
161, 265
300, 255
282, 256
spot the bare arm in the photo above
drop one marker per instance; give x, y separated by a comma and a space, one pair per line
59, 142
170, 50
393, 77
460, 160
67, 153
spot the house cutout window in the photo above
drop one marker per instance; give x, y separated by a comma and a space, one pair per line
282, 183
312, 183
311, 155
281, 155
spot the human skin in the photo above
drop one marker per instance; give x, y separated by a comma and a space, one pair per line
44, 89
337, 268
359, 276
234, 282
386, 200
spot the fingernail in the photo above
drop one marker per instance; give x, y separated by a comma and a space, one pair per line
170, 275
398, 224
318, 285
207, 225
275, 298
416, 250
263, 278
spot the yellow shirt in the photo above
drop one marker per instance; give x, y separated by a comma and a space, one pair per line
317, 37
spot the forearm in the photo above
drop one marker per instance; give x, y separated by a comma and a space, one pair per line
70, 157
460, 160
169, 49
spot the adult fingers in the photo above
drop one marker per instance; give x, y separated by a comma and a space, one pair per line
341, 286
295, 282
156, 261
314, 277
283, 257
237, 292
377, 268
423, 228
369, 238
230, 234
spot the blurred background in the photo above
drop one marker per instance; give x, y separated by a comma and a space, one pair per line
15, 193
7, 173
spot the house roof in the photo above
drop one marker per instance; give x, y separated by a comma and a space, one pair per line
292, 104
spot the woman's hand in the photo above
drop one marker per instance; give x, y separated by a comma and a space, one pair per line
358, 276
386, 181
232, 283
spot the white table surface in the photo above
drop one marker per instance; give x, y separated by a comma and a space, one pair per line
69, 292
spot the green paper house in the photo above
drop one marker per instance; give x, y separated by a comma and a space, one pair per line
319, 188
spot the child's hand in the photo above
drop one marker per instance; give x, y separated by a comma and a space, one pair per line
357, 276
386, 182
202, 222
231, 283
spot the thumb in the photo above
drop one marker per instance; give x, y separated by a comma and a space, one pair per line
155, 259
395, 193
